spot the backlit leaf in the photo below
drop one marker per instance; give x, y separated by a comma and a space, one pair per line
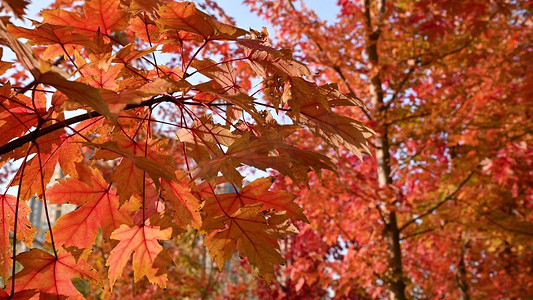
50, 275
25, 230
149, 258
180, 197
98, 208
254, 235
184, 16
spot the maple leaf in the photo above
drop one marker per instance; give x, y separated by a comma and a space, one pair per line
36, 175
184, 16
57, 37
205, 138
255, 236
256, 192
25, 230
100, 16
4, 66
337, 130
102, 77
16, 6
47, 274
262, 153
265, 60
185, 205
16, 121
223, 74
128, 54
51, 75
224, 85
133, 165
149, 258
38, 172
98, 208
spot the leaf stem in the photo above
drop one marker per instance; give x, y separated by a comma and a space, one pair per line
148, 117
44, 199
23, 166
193, 58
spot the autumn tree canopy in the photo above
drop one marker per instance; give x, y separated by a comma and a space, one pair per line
146, 107
444, 209
149, 109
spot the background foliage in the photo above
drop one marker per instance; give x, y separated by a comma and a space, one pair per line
177, 106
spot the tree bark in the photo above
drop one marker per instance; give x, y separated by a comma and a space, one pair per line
395, 276
461, 276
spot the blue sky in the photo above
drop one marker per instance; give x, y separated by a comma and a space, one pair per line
325, 9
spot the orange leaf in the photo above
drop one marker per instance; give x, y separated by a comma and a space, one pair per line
66, 153
264, 59
7, 220
256, 192
153, 164
32, 180
255, 236
15, 122
16, 6
223, 74
128, 54
134, 183
133, 164
101, 76
48, 275
98, 208
57, 36
184, 16
77, 91
100, 16
186, 206
50, 75
337, 130
149, 259
4, 66
262, 153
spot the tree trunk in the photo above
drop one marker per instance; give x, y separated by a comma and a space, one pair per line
396, 279
461, 276
392, 234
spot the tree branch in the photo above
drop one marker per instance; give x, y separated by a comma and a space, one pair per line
516, 230
34, 135
401, 85
416, 233
439, 204
392, 122
345, 81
